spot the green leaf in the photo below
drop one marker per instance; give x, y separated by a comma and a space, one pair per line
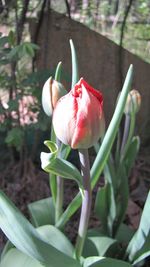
130, 135
46, 158
131, 154
122, 197
124, 234
14, 53
58, 72
140, 237
110, 188
144, 252
59, 166
102, 206
6, 248
104, 150
26, 238
53, 186
27, 49
42, 212
16, 258
15, 137
11, 38
3, 40
52, 147
104, 262
99, 244
64, 151
57, 239
75, 74
112, 130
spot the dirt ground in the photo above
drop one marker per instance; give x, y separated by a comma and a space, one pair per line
34, 185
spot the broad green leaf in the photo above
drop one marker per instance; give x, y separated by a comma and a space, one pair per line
42, 212
144, 252
131, 154
75, 74
15, 258
99, 245
56, 238
51, 164
60, 167
26, 238
90, 260
104, 262
104, 150
138, 240
124, 234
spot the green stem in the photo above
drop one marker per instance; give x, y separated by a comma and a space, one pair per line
60, 192
86, 202
52, 177
59, 198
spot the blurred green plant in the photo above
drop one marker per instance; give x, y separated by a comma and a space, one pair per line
20, 93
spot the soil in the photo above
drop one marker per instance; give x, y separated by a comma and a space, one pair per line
34, 185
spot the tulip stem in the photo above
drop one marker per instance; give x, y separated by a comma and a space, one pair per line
59, 198
86, 201
60, 193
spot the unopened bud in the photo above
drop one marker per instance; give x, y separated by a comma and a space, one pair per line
78, 118
52, 91
133, 103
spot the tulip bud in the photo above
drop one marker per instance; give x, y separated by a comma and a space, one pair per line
52, 91
133, 102
78, 116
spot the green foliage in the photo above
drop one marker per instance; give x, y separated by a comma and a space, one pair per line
139, 246
19, 91
15, 138
27, 239
42, 212
51, 163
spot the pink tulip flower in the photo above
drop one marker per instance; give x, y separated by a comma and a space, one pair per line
78, 116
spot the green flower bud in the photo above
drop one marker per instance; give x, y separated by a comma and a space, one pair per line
133, 103
52, 91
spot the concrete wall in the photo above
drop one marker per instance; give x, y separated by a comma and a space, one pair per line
98, 60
